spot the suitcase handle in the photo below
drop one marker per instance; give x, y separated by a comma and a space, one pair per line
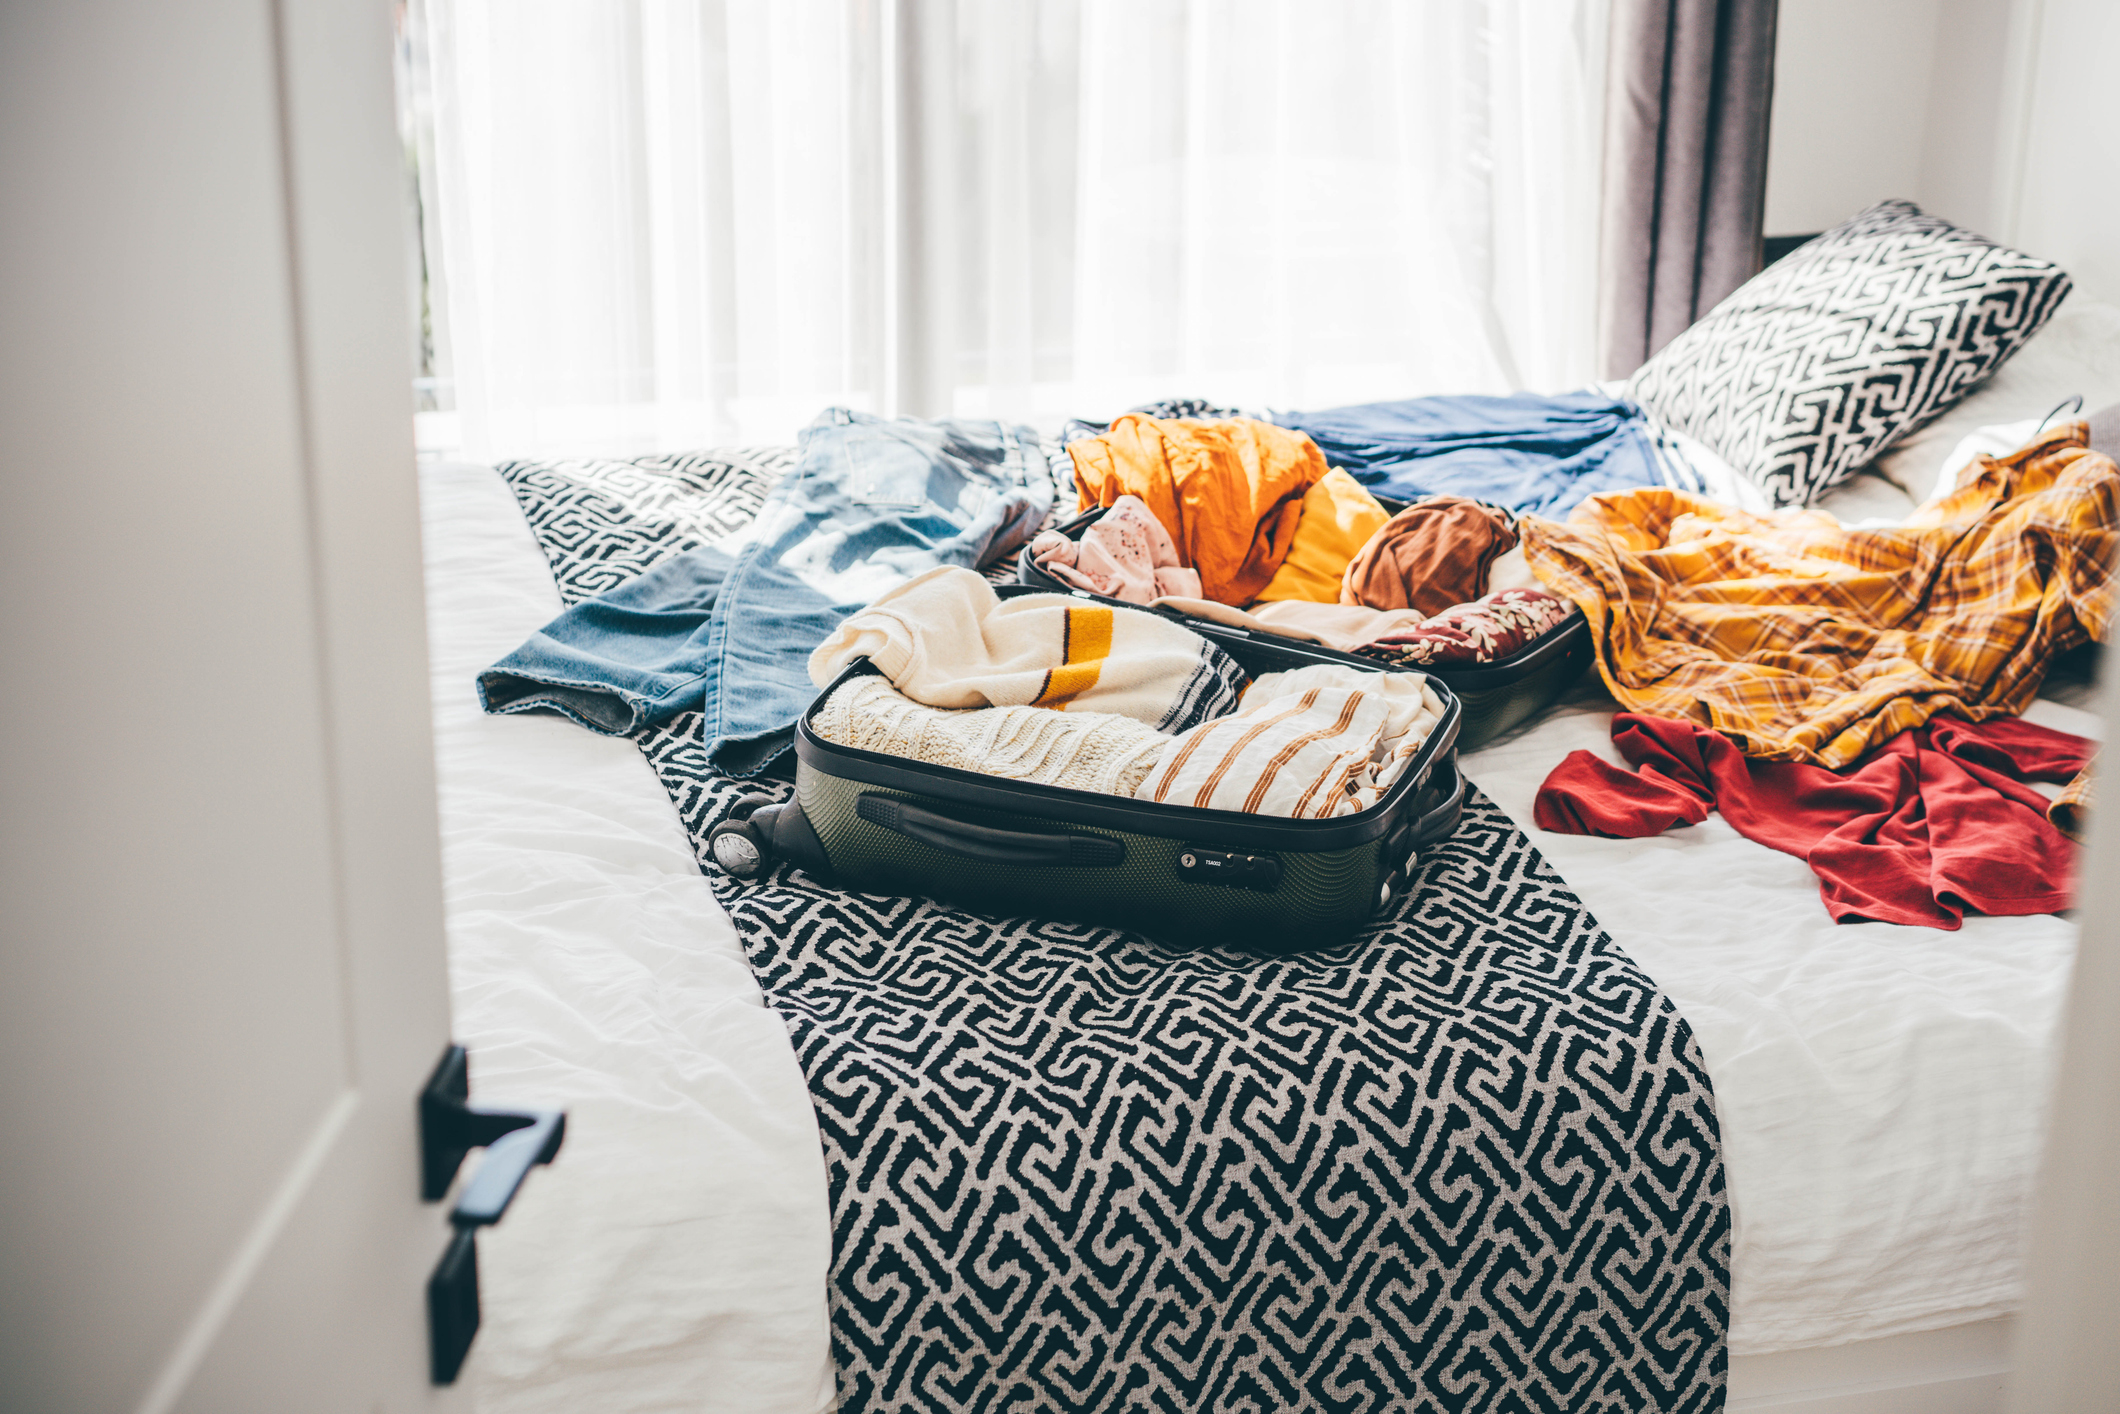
1442, 820
1439, 820
988, 843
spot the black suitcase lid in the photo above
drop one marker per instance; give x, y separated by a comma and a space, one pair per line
1234, 828
1465, 677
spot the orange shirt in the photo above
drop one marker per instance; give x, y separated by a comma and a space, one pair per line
1230, 492
1339, 517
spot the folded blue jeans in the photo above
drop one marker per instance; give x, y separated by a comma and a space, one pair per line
1530, 452
728, 629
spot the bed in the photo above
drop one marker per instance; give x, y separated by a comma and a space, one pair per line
1880, 1089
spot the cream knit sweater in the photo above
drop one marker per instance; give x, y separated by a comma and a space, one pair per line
1078, 750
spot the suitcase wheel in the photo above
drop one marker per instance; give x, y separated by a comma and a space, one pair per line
740, 844
749, 805
738, 848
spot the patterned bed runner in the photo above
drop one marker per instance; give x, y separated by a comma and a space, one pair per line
1468, 1161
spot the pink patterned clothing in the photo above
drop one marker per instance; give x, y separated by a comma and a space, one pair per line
1127, 554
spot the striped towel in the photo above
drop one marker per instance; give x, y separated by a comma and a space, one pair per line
1309, 744
945, 639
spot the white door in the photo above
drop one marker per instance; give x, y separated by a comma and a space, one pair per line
223, 976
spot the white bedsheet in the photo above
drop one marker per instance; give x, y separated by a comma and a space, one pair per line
1880, 1089
673, 1257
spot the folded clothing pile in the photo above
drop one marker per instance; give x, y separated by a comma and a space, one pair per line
1310, 744
1094, 751
1046, 689
946, 639
1196, 512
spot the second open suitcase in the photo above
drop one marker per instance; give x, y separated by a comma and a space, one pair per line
1496, 696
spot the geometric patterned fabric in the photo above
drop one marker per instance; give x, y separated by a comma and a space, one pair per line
1824, 359
1468, 1160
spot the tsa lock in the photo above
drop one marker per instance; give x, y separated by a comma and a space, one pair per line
1241, 871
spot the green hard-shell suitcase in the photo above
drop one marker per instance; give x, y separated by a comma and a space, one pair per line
1497, 696
886, 824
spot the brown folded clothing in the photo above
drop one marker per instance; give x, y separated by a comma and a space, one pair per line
1429, 557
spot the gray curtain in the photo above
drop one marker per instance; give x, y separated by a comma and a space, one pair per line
1685, 166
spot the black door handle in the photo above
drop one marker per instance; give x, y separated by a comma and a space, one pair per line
451, 1126
508, 1162
515, 1142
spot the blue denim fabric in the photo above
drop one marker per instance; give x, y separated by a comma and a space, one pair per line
1530, 452
631, 658
728, 630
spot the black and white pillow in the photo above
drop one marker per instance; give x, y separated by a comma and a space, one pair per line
1824, 359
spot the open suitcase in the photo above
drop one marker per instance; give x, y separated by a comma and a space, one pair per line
886, 824
1496, 696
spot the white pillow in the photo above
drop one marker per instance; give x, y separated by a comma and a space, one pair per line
1982, 442
2077, 353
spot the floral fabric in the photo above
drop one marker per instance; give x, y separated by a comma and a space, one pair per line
1484, 631
1127, 554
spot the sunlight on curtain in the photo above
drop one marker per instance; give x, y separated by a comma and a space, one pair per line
678, 222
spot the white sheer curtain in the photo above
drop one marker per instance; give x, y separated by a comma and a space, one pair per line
671, 223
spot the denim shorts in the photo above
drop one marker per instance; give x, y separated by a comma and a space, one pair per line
728, 629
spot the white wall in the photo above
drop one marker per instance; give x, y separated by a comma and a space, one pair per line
1970, 93
1995, 114
1851, 100
2065, 202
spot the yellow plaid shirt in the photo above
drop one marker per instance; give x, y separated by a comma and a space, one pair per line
1803, 640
